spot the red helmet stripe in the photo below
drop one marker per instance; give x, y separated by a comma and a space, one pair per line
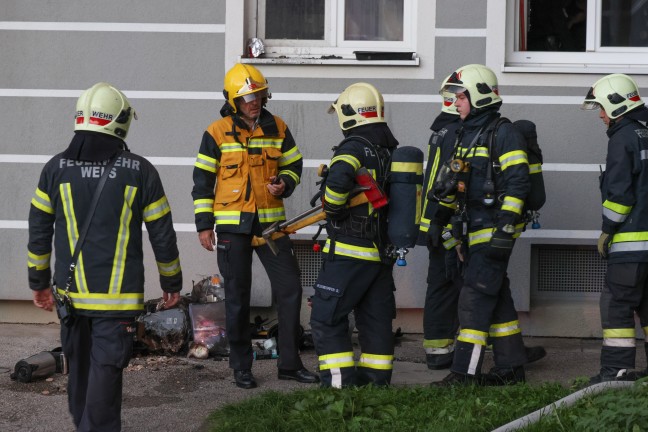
635, 98
99, 121
369, 114
79, 120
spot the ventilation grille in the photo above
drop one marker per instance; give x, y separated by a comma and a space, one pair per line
569, 269
309, 262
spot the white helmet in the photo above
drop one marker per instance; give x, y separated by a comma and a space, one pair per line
617, 94
479, 81
359, 104
103, 108
449, 99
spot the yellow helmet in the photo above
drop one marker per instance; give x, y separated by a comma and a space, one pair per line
449, 99
103, 108
479, 81
243, 80
359, 104
617, 94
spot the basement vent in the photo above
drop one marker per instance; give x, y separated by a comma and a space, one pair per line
309, 262
569, 269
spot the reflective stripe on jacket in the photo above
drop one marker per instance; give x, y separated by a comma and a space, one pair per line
232, 171
109, 275
511, 182
623, 186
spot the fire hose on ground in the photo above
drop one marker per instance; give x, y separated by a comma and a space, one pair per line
567, 401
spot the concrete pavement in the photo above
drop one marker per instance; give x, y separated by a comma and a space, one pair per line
176, 393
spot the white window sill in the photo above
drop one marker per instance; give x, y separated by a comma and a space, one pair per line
300, 61
576, 68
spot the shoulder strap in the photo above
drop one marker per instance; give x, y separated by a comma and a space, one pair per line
86, 224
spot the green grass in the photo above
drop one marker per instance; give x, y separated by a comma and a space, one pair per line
434, 409
386, 409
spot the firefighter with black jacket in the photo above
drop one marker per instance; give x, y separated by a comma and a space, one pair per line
440, 322
623, 241
247, 164
490, 190
356, 273
445, 261
107, 289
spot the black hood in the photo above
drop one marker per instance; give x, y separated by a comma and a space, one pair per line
639, 114
443, 120
93, 146
377, 133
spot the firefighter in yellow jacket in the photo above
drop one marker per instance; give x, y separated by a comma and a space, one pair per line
247, 164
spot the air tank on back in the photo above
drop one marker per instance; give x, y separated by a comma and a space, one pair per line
405, 188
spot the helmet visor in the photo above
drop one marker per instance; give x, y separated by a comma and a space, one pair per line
590, 102
256, 95
454, 89
590, 105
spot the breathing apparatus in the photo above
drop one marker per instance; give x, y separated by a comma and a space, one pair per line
40, 366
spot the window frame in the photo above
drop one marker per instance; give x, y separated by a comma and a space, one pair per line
595, 58
333, 43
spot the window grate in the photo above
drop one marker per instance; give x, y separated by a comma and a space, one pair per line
569, 269
309, 262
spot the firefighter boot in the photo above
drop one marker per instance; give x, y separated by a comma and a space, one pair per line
499, 376
534, 353
457, 379
439, 361
609, 373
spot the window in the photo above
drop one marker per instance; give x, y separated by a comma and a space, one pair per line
578, 33
332, 28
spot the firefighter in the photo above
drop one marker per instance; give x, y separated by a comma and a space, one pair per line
445, 265
486, 310
107, 285
625, 223
440, 322
247, 164
356, 273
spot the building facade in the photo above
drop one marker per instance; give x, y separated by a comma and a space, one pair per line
170, 57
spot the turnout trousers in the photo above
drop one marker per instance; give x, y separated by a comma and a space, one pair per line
624, 294
234, 254
487, 314
366, 288
98, 349
440, 321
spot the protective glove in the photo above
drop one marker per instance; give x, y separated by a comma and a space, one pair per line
442, 215
434, 240
500, 246
335, 212
603, 245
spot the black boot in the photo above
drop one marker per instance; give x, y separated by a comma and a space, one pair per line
609, 373
439, 361
534, 353
244, 379
499, 376
456, 379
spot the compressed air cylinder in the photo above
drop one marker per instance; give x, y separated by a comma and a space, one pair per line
406, 184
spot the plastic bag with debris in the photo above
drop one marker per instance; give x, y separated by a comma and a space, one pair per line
208, 325
208, 289
164, 331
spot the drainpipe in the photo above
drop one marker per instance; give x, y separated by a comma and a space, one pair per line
567, 401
